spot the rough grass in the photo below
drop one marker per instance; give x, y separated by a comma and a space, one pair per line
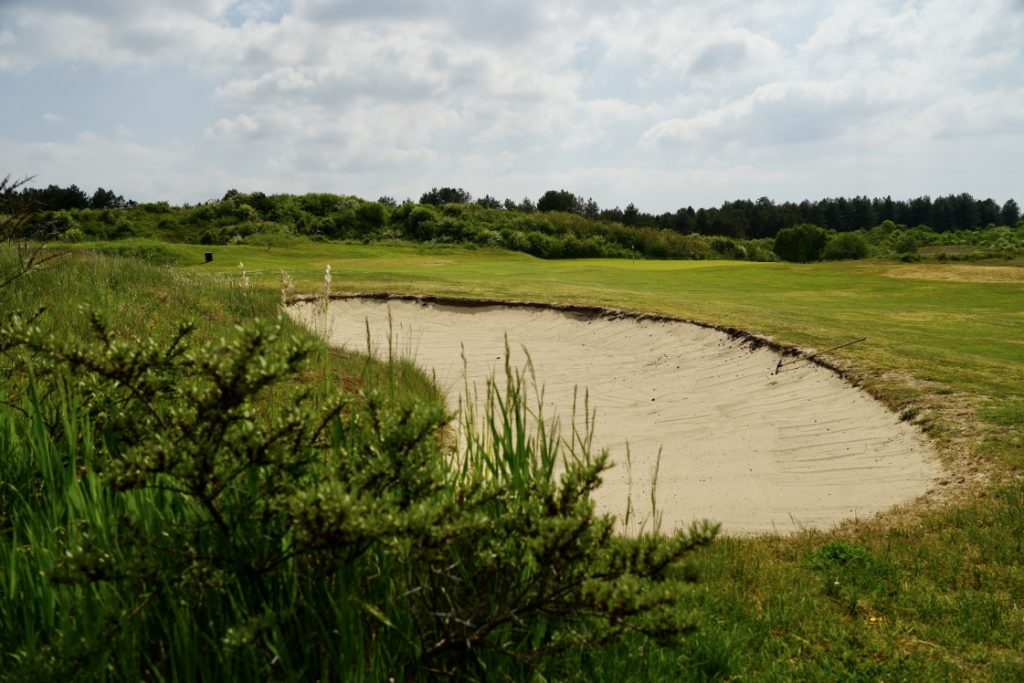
137, 300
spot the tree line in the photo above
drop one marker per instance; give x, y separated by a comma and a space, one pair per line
747, 219
56, 198
741, 219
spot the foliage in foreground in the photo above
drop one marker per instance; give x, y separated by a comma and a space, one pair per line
159, 523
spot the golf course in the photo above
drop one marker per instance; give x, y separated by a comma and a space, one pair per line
930, 589
503, 342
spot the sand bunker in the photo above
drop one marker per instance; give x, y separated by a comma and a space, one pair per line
756, 451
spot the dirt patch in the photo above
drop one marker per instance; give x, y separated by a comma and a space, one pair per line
738, 443
956, 273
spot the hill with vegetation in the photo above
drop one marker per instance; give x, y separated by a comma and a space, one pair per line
558, 225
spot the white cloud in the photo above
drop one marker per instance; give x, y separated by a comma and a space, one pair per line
774, 114
505, 21
50, 117
148, 171
592, 95
241, 125
282, 81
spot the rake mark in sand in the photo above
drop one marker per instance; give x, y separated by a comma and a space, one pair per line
740, 444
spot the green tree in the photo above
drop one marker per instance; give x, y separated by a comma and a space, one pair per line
106, 199
261, 202
1010, 213
446, 195
372, 216
560, 200
488, 202
630, 214
988, 212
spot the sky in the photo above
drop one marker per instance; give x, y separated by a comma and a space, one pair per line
662, 104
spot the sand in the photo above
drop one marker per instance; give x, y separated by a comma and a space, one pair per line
740, 445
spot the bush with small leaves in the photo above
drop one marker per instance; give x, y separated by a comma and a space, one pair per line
181, 530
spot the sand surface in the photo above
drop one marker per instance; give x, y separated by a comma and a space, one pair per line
755, 451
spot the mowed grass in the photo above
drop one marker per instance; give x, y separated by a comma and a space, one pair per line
933, 592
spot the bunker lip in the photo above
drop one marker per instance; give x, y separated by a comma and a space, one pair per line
732, 441
749, 339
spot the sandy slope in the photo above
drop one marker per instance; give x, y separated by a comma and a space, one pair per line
755, 451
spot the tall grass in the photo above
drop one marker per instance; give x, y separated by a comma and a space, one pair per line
205, 504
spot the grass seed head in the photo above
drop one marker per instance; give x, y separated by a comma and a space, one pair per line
287, 288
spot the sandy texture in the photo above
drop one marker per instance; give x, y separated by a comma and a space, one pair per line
755, 451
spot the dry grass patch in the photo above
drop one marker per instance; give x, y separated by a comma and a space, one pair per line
947, 272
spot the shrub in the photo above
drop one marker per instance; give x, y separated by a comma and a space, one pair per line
73, 235
515, 240
55, 223
541, 245
419, 223
338, 225
728, 248
155, 207
183, 529
372, 215
803, 243
845, 246
906, 244
449, 229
